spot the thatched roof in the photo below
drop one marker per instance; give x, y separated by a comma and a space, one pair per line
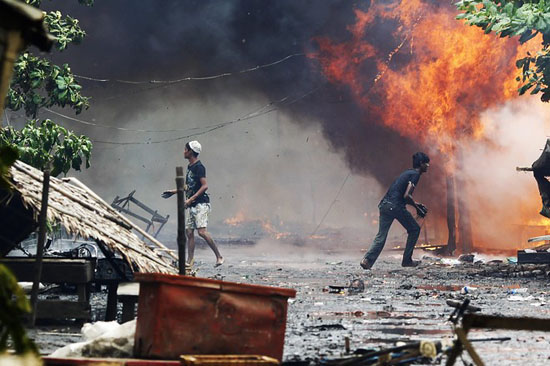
84, 213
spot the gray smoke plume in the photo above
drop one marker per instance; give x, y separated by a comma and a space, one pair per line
287, 164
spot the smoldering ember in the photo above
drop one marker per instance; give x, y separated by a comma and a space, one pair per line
231, 182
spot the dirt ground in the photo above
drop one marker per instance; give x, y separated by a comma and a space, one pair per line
397, 305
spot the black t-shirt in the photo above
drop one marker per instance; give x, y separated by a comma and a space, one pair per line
399, 186
193, 180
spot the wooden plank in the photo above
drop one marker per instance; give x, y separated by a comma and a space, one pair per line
461, 335
128, 307
53, 271
538, 238
182, 237
498, 322
533, 258
111, 311
63, 309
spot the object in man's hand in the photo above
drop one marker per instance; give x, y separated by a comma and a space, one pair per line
167, 194
421, 210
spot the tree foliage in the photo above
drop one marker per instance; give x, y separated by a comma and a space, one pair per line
8, 155
38, 83
14, 305
525, 19
45, 142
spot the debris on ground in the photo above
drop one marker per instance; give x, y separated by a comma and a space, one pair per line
102, 339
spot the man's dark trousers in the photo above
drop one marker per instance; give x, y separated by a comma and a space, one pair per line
388, 213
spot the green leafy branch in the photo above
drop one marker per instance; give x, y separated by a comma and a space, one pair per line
14, 305
38, 83
65, 30
525, 19
42, 143
37, 3
8, 156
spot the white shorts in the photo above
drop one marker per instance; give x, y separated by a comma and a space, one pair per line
196, 217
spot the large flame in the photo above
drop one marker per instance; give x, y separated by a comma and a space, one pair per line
435, 79
417, 70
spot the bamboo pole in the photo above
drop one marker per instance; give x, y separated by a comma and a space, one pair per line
182, 239
40, 248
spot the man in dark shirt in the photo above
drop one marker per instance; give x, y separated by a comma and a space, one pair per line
392, 207
197, 202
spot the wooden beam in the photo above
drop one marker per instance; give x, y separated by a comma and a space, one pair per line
54, 270
40, 245
182, 238
499, 322
63, 309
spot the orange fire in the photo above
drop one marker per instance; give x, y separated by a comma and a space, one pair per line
242, 219
435, 79
236, 220
417, 70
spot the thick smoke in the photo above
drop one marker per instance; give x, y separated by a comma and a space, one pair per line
286, 165
504, 203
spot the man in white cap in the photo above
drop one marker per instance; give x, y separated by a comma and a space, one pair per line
197, 202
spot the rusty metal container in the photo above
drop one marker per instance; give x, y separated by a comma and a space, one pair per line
84, 361
186, 315
227, 360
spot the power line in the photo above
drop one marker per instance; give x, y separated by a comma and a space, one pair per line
193, 78
88, 123
268, 108
331, 204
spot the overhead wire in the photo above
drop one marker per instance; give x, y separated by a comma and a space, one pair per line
331, 204
166, 83
268, 108
193, 78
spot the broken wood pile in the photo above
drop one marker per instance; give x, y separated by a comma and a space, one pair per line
83, 213
508, 270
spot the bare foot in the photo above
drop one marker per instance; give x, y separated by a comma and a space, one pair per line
190, 263
219, 262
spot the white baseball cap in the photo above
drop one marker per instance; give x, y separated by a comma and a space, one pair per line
195, 146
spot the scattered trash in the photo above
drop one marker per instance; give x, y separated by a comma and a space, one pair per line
103, 339
512, 260
520, 298
324, 327
466, 258
468, 289
517, 291
354, 287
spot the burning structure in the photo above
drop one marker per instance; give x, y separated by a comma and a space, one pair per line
380, 81
430, 78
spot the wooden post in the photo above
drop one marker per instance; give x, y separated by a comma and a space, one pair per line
13, 44
451, 217
40, 246
111, 311
464, 224
465, 238
182, 239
